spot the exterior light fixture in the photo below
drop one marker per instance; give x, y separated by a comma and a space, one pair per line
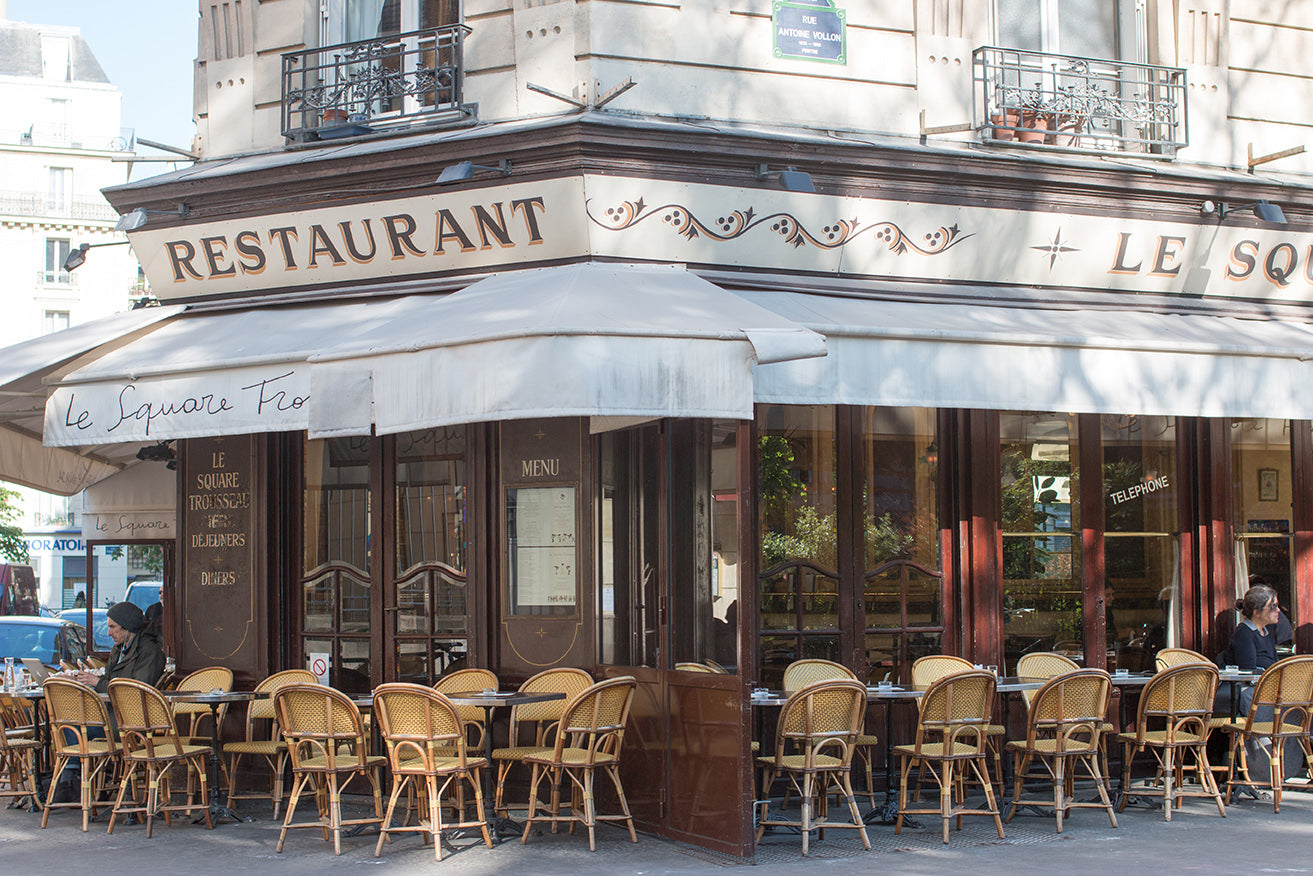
791, 179
466, 169
1264, 210
78, 254
137, 218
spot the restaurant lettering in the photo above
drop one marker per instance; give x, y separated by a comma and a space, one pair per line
498, 224
215, 491
1163, 256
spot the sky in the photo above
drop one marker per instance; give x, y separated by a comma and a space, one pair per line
147, 48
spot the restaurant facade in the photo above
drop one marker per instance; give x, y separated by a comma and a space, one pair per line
615, 387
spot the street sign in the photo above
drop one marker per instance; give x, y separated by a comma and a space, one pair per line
812, 31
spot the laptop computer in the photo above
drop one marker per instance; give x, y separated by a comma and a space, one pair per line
39, 671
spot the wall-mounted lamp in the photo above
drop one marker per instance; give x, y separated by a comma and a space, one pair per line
161, 452
1264, 210
137, 218
791, 180
78, 254
466, 169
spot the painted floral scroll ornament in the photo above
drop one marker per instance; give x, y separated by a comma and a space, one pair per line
733, 225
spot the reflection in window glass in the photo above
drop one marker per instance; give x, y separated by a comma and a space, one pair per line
1261, 497
430, 537
1042, 597
335, 534
799, 566
628, 482
903, 607
1141, 548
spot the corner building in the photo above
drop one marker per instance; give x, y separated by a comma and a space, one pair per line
621, 336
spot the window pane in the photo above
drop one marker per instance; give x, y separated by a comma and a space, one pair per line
1261, 496
629, 547
900, 499
1142, 600
1042, 595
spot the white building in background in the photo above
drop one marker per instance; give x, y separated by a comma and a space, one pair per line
59, 136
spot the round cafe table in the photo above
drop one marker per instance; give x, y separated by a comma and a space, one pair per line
215, 698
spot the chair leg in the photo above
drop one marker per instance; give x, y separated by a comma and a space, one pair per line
1168, 774
533, 802
614, 772
1059, 786
946, 797
902, 795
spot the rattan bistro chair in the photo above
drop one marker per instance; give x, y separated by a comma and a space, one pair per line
539, 718
18, 747
815, 740
801, 673
427, 754
148, 732
79, 730
464, 681
269, 744
951, 737
1281, 710
1172, 721
1167, 657
327, 745
929, 669
1062, 734
589, 738
190, 715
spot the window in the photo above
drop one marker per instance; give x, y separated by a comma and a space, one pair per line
1261, 497
59, 192
350, 20
54, 58
56, 254
1084, 28
55, 321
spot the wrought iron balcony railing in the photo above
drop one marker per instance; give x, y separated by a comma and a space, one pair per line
1079, 103
358, 88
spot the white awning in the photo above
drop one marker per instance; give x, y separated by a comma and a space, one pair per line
590, 339
138, 503
24, 369
579, 340
1012, 358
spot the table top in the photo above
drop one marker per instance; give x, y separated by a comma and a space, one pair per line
487, 699
215, 696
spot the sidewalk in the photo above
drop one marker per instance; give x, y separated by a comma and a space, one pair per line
1250, 838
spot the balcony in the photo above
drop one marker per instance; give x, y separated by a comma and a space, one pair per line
58, 279
1085, 104
371, 86
34, 204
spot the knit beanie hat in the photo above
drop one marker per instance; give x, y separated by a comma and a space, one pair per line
128, 616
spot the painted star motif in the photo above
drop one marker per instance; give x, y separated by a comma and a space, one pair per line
1055, 249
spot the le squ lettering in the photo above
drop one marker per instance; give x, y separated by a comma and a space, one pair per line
364, 241
1282, 264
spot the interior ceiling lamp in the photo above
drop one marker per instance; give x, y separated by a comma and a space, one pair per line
466, 169
1264, 210
791, 179
137, 218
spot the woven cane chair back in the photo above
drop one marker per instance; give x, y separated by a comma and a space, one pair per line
320, 723
205, 680
77, 708
1178, 699
694, 667
1070, 709
1286, 687
1177, 657
801, 673
263, 709
956, 709
570, 682
420, 727
823, 718
147, 726
929, 669
464, 681
1042, 664
594, 721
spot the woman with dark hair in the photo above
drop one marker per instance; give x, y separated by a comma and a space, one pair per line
1253, 644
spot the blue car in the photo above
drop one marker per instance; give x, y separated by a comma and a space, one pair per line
99, 625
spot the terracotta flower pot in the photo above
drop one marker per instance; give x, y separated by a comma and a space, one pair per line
1004, 122
1035, 126
1067, 129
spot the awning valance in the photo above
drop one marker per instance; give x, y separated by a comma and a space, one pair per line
1013, 358
589, 339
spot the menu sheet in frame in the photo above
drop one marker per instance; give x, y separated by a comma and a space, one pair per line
542, 545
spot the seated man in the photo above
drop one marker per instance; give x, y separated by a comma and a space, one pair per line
135, 655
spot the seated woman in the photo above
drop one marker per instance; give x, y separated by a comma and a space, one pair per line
1253, 649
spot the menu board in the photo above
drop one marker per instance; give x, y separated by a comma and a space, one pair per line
541, 536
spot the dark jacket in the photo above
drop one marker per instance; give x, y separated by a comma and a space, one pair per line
139, 658
1252, 651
